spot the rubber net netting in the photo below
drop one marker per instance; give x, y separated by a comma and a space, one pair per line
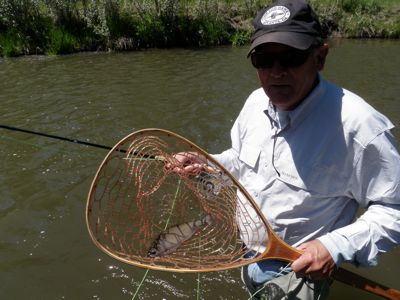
145, 212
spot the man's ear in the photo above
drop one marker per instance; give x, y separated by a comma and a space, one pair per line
322, 53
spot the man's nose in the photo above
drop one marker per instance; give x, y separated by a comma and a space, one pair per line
277, 70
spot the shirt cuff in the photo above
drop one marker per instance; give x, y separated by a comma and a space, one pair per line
228, 159
338, 247
223, 158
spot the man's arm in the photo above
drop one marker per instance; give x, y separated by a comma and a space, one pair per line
376, 185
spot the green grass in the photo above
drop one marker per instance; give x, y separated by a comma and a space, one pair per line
59, 27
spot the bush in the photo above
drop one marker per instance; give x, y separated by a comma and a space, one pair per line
24, 24
61, 42
65, 26
360, 6
11, 44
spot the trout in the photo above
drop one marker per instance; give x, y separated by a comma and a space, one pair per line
173, 237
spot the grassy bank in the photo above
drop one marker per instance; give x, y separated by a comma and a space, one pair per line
59, 27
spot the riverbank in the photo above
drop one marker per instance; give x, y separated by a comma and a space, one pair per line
62, 27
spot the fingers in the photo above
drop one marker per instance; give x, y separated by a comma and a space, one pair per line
315, 262
186, 163
189, 169
303, 263
302, 266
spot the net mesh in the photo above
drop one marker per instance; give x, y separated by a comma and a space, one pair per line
144, 211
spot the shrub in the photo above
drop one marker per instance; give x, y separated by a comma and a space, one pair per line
11, 44
61, 42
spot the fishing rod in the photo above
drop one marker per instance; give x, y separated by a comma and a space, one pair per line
52, 136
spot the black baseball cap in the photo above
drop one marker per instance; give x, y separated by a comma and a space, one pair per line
289, 22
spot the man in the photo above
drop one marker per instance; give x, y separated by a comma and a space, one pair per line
310, 154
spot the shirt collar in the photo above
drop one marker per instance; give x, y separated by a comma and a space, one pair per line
279, 119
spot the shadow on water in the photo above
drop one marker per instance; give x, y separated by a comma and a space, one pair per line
101, 97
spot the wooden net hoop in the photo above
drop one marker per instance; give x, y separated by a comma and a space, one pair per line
136, 196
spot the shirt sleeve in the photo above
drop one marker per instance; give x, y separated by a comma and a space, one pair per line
228, 159
375, 185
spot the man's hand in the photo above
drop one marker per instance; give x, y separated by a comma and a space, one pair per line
189, 163
315, 263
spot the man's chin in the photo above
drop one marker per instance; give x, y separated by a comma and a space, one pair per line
282, 102
280, 94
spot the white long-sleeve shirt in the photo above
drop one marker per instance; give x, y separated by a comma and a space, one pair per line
311, 168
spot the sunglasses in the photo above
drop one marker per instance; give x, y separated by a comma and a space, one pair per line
288, 59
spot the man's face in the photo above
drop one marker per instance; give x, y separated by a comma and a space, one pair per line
287, 86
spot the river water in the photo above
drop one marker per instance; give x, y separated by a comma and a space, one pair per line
45, 250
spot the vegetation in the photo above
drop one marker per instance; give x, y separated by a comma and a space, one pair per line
359, 18
66, 26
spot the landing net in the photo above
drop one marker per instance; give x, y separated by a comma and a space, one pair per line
139, 200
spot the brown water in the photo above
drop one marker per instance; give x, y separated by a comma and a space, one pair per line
45, 251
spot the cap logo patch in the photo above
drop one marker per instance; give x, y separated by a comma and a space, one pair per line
275, 15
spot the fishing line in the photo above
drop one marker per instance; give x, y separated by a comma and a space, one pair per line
324, 285
165, 228
198, 276
280, 273
140, 284
198, 286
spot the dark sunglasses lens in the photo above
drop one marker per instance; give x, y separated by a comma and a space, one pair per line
288, 59
262, 60
294, 58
